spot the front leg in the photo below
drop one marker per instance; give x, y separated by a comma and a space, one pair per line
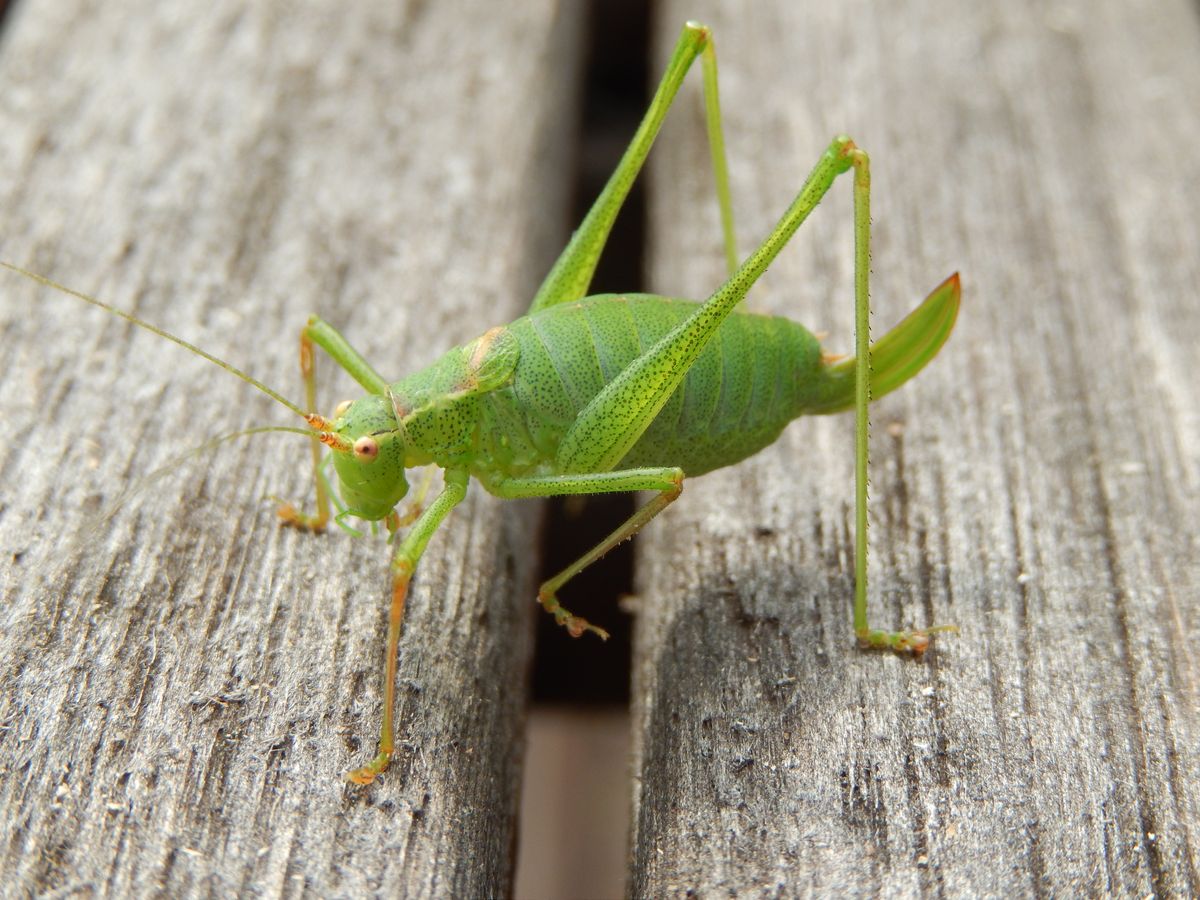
404, 563
319, 333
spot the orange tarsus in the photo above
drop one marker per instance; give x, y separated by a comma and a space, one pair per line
290, 517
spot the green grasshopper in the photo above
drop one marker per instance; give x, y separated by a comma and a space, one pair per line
606, 393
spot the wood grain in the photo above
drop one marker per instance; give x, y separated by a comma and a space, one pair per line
182, 685
185, 683
1037, 485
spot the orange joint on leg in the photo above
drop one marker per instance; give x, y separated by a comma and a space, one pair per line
306, 356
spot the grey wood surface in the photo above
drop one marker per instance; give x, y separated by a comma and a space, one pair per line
1037, 485
184, 685
181, 688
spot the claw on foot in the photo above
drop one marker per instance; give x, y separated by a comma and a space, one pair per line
371, 770
576, 626
915, 641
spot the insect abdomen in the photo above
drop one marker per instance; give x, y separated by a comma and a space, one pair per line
737, 397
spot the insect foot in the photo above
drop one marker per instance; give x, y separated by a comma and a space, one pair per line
575, 625
290, 517
915, 641
372, 770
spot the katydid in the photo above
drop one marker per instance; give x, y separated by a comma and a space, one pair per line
607, 393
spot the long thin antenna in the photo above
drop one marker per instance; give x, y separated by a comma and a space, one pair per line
141, 323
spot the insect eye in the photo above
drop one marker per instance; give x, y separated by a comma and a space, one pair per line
366, 448
340, 409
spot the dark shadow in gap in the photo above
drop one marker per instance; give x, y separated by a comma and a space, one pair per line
588, 670
5, 6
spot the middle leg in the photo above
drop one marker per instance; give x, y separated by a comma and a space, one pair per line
668, 481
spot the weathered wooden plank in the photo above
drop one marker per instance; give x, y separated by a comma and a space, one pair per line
184, 685
1038, 485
